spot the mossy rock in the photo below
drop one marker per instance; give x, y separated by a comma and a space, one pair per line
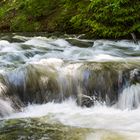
47, 129
27, 129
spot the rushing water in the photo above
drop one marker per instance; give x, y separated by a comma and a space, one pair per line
91, 85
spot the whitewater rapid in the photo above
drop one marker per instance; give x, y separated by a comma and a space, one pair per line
61, 57
100, 117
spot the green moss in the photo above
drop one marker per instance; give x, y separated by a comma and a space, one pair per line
114, 66
46, 128
35, 129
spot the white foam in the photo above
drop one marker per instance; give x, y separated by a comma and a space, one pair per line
4, 43
60, 43
47, 43
106, 57
38, 42
5, 107
50, 62
130, 97
121, 43
6, 46
102, 50
23, 38
98, 117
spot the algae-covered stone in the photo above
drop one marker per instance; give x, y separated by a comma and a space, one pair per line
44, 128
33, 129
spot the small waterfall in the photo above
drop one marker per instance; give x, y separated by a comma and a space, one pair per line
6, 108
41, 70
68, 79
90, 84
55, 80
130, 97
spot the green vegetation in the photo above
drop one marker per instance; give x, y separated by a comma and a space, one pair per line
36, 129
95, 18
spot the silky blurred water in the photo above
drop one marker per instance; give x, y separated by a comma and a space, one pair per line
21, 51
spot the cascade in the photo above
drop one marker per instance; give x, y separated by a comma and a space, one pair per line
72, 81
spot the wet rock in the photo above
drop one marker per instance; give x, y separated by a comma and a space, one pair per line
135, 76
81, 44
41, 83
32, 84
87, 101
36, 129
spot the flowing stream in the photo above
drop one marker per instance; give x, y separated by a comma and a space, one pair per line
68, 88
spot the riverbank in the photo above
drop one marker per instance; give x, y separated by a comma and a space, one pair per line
95, 19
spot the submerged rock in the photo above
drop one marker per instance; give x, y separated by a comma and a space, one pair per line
43, 129
34, 129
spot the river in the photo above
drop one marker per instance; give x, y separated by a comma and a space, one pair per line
66, 88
